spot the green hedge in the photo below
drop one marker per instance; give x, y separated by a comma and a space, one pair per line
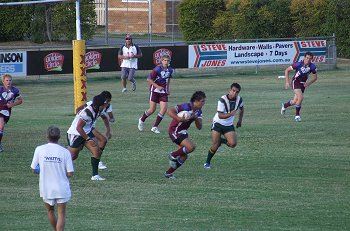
197, 16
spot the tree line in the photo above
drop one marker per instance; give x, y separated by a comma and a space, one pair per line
46, 22
201, 20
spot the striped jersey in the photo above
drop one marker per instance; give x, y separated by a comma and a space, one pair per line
226, 105
303, 71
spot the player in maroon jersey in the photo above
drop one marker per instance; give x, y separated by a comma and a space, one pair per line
178, 130
10, 97
159, 80
300, 81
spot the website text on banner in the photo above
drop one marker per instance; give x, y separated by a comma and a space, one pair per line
251, 54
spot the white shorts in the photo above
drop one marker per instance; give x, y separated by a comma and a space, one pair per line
52, 202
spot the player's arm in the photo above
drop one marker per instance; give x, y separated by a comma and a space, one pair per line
198, 122
286, 75
121, 55
223, 115
168, 86
105, 119
172, 112
221, 108
70, 174
35, 162
311, 80
69, 165
139, 52
80, 129
18, 101
111, 117
240, 117
151, 78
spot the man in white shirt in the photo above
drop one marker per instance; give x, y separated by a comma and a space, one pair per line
56, 167
129, 54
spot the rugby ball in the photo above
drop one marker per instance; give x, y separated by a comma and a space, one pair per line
184, 114
37, 169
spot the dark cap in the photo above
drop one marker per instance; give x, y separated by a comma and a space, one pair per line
106, 94
128, 36
98, 100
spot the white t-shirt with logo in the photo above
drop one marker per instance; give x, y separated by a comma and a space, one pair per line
125, 51
54, 161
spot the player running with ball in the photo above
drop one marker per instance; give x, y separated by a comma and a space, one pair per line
178, 130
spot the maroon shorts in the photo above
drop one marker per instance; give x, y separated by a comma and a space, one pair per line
177, 138
298, 85
6, 118
157, 97
6, 111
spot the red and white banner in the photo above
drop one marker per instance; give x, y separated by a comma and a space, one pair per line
251, 54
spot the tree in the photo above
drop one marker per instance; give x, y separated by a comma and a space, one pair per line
259, 19
323, 18
14, 22
342, 30
46, 22
196, 18
63, 20
37, 24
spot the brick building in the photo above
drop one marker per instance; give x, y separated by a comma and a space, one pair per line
134, 15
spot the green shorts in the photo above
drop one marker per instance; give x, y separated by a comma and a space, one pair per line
222, 129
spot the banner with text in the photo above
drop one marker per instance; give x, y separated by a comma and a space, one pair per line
251, 54
13, 63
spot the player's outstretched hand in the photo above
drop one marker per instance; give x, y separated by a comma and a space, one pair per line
286, 85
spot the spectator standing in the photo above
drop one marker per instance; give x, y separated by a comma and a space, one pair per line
129, 53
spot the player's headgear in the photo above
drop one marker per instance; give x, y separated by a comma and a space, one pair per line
107, 94
98, 101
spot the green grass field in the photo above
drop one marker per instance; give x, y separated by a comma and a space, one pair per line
282, 175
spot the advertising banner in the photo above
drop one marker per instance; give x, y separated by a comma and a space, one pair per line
13, 63
251, 54
50, 62
152, 56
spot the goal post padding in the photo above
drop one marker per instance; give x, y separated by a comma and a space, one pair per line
79, 74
